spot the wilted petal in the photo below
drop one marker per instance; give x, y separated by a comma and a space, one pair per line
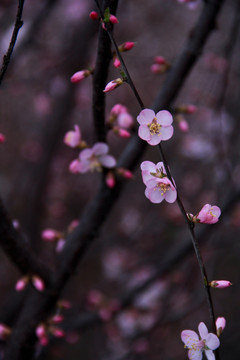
146, 116
144, 132
164, 117
166, 132
100, 148
212, 341
107, 161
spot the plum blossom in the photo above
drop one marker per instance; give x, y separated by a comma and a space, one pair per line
208, 214
207, 343
93, 159
158, 186
155, 127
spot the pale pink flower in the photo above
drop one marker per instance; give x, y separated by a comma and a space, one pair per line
207, 343
208, 214
113, 84
113, 19
220, 284
38, 283
158, 186
155, 128
94, 159
73, 138
220, 325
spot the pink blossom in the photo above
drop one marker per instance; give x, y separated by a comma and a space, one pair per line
220, 325
208, 214
220, 284
155, 128
207, 343
80, 75
50, 235
113, 19
113, 84
21, 283
2, 138
93, 159
94, 15
38, 283
117, 62
73, 138
158, 186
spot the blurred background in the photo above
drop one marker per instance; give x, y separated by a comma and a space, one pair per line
39, 104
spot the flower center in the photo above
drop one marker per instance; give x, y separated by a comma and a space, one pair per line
154, 127
95, 164
163, 188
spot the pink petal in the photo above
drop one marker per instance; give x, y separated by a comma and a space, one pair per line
155, 139
146, 176
100, 148
164, 117
83, 166
212, 341
146, 116
151, 183
166, 132
107, 161
189, 337
148, 166
203, 330
171, 195
85, 154
209, 355
195, 354
216, 211
155, 195
144, 133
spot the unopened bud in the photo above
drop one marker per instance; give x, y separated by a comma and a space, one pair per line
113, 84
127, 174
220, 284
80, 75
113, 19
117, 62
38, 283
126, 46
160, 60
110, 180
21, 283
94, 15
220, 325
2, 138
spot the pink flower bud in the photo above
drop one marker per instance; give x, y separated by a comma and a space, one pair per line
5, 331
50, 235
160, 60
57, 319
2, 138
117, 62
74, 166
41, 331
191, 109
64, 304
208, 214
60, 245
59, 333
125, 120
38, 283
16, 224
126, 46
80, 75
118, 109
183, 125
113, 84
110, 180
127, 174
21, 283
124, 133
220, 284
113, 19
220, 325
44, 341
94, 15
73, 138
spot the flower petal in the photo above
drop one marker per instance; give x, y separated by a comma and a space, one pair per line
151, 183
195, 354
203, 330
171, 195
164, 117
100, 148
209, 355
107, 161
166, 132
155, 139
85, 154
148, 166
144, 133
156, 196
212, 341
146, 116
189, 337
